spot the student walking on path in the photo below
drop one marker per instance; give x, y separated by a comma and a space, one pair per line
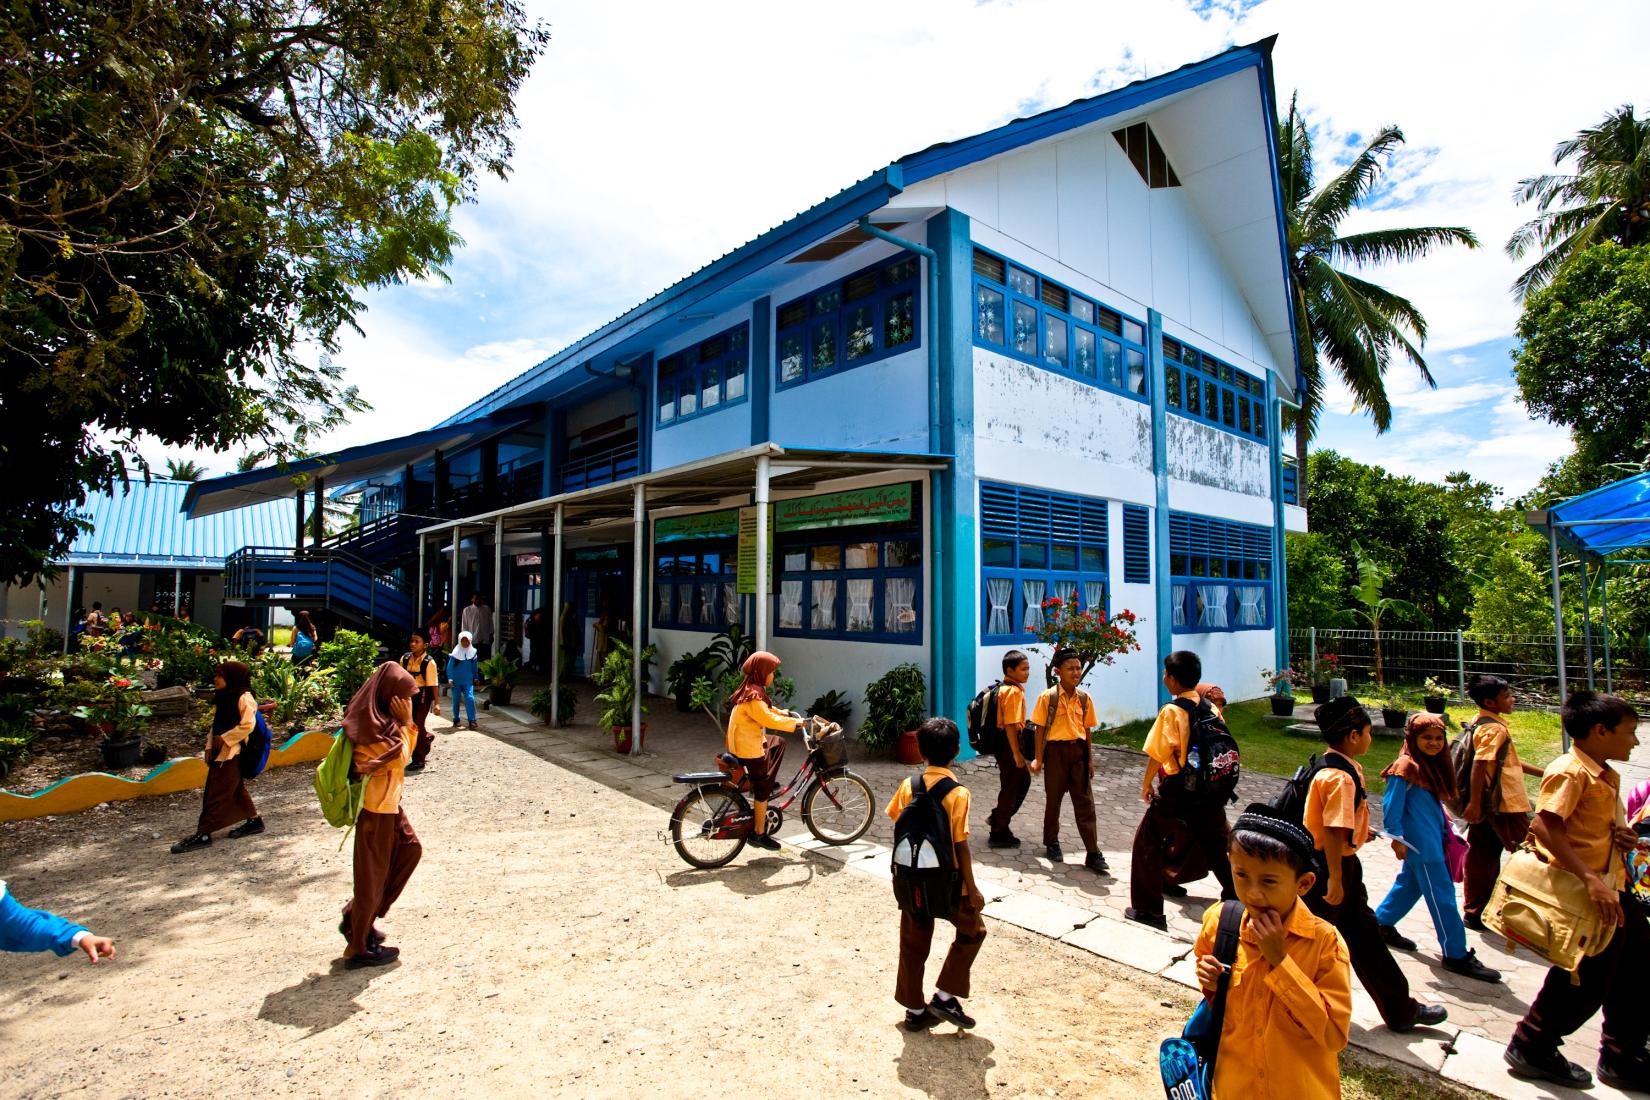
1498, 806
477, 620
380, 727
1012, 774
225, 799
305, 640
461, 677
417, 660
1064, 716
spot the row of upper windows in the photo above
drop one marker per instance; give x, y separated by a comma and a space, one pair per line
1197, 385
705, 376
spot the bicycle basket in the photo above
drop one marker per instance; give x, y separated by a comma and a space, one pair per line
833, 750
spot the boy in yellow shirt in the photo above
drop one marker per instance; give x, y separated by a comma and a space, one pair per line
1289, 1000
1012, 773
1498, 806
1579, 825
1063, 717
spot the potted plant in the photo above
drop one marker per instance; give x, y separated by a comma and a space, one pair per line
833, 706
119, 714
1325, 667
894, 706
618, 695
1282, 684
500, 674
539, 705
1437, 695
1394, 711
683, 671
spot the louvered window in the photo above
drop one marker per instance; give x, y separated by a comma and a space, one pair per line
1222, 574
1137, 544
1036, 545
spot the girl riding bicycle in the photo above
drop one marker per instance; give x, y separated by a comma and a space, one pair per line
752, 716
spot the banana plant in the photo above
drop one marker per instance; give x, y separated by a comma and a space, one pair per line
1372, 607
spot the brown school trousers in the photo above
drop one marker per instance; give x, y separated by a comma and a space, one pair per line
386, 851
1204, 830
1016, 782
226, 800
1486, 840
1612, 979
916, 935
1067, 766
1371, 958
423, 703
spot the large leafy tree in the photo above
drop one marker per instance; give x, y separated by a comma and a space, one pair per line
1347, 324
193, 195
1606, 198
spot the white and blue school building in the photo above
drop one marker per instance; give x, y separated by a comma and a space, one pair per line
1045, 360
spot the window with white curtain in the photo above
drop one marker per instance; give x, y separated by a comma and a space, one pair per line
732, 606
790, 605
901, 607
857, 582
1212, 605
689, 579
1031, 591
1035, 545
1251, 606
1177, 599
861, 594
1222, 571
998, 591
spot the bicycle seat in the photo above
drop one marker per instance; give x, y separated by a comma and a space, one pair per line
701, 777
729, 761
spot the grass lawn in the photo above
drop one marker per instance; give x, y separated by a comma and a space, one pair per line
1269, 748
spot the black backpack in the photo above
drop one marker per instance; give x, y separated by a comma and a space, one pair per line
1462, 754
1209, 774
1290, 803
983, 732
927, 882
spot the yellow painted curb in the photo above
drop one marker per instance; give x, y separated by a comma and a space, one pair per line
82, 792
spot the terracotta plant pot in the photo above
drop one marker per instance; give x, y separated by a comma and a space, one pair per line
906, 750
1283, 706
121, 754
1394, 717
621, 739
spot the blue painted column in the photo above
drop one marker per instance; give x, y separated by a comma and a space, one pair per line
759, 376
956, 641
546, 484
1163, 585
644, 383
1280, 571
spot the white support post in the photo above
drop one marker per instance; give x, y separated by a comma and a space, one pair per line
68, 607
498, 584
761, 493
555, 625
452, 584
638, 549
177, 592
418, 615
1558, 627
1461, 662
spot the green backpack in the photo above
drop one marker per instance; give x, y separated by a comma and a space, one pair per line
340, 796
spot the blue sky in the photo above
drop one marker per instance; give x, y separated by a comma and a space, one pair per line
656, 136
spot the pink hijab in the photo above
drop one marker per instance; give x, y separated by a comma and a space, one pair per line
367, 719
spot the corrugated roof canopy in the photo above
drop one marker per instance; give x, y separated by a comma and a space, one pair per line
144, 526
1616, 517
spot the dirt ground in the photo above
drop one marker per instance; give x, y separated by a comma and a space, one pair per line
552, 945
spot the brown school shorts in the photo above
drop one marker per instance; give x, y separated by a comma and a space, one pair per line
756, 770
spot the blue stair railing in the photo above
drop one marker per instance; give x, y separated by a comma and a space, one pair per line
333, 579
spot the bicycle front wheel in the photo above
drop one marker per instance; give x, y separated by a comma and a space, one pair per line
703, 828
837, 808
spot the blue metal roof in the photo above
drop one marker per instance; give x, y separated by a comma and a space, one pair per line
1615, 517
144, 526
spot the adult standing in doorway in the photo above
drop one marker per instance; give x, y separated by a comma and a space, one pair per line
477, 621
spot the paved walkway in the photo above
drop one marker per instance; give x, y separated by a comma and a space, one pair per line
1069, 902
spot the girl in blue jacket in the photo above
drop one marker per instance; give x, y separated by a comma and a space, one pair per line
461, 677
1418, 782
25, 929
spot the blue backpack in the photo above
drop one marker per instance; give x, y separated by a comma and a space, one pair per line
255, 752
1188, 1063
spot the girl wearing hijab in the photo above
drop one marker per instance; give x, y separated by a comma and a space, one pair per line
379, 724
1418, 783
304, 639
461, 677
753, 714
234, 714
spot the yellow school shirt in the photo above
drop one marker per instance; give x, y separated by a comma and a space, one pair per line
1166, 743
1073, 715
1331, 803
1586, 793
956, 803
1487, 739
1011, 705
1284, 1026
748, 723
234, 737
429, 678
383, 790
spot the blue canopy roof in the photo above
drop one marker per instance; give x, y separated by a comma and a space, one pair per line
1616, 517
143, 526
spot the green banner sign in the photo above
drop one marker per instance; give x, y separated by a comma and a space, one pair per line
883, 504
701, 525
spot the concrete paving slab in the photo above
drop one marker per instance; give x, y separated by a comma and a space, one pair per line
524, 717
1041, 915
1477, 1063
1424, 1048
1126, 942
1182, 972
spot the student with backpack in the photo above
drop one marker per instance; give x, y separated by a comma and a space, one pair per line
225, 799
1336, 814
1192, 759
1287, 1004
1063, 717
1493, 802
379, 725
934, 880
1008, 726
1419, 783
417, 660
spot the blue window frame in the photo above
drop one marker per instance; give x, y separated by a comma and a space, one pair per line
1035, 545
870, 315
1022, 314
1137, 544
1222, 574
694, 585
853, 583
1202, 387
704, 377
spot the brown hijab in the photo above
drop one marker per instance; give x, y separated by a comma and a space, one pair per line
756, 669
1413, 766
367, 719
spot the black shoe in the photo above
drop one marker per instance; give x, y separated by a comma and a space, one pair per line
1425, 1016
1096, 862
1054, 854
950, 1011
1468, 966
1158, 922
415, 766
764, 841
1629, 1076
1173, 890
920, 1020
1394, 938
192, 844
1002, 840
1476, 923
1549, 1065
374, 938
252, 826
373, 956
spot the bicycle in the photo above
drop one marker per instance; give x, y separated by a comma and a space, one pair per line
712, 822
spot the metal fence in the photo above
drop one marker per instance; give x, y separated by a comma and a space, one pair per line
1528, 661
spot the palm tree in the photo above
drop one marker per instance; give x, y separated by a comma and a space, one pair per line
1607, 199
186, 470
1343, 321
250, 461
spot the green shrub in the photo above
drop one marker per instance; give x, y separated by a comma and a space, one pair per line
539, 705
893, 704
833, 706
351, 657
16, 732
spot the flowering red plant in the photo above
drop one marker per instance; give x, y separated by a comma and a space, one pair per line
1096, 639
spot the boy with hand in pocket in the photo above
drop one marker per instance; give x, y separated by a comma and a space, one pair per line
1012, 772
1289, 1001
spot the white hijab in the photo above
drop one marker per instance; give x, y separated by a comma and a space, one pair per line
464, 651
